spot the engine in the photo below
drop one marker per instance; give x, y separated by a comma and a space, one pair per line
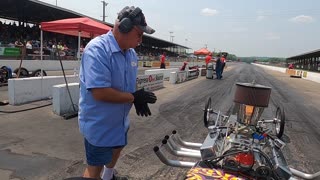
245, 152
241, 143
238, 146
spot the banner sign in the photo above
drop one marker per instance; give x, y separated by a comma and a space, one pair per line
181, 76
5, 51
150, 82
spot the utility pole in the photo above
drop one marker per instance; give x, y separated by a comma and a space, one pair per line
205, 45
104, 10
56, 2
186, 45
171, 37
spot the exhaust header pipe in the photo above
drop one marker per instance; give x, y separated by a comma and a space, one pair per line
185, 143
175, 146
174, 163
180, 153
304, 175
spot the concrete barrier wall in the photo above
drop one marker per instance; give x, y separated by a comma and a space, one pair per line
166, 72
179, 64
63, 105
182, 76
54, 65
48, 65
61, 102
169, 64
279, 69
33, 89
312, 76
178, 77
150, 82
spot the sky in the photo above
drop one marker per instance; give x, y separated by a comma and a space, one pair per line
241, 27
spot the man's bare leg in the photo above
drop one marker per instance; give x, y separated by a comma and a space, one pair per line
108, 171
92, 172
115, 157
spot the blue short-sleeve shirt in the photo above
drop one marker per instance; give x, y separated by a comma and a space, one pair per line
104, 65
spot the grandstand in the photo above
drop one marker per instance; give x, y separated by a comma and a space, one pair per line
26, 15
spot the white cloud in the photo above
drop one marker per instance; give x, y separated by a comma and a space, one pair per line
209, 12
272, 36
261, 18
302, 19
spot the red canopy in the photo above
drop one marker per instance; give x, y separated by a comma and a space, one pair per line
202, 51
88, 27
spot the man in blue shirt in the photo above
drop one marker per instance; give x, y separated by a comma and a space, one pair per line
108, 89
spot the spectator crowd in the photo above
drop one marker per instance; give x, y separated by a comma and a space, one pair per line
27, 38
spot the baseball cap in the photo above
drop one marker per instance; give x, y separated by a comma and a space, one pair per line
137, 19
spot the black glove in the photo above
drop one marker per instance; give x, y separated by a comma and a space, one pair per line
141, 100
141, 96
138, 108
142, 109
145, 110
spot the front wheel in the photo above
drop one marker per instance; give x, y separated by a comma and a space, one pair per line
206, 112
279, 122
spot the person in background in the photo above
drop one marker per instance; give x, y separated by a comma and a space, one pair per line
184, 66
208, 59
81, 48
20, 45
218, 67
60, 47
29, 50
108, 75
223, 64
290, 66
54, 51
65, 47
163, 61
28, 45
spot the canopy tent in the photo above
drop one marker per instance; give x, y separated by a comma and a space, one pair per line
88, 27
202, 51
81, 27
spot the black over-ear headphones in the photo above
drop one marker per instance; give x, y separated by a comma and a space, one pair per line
127, 23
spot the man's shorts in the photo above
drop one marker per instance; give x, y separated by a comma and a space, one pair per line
98, 156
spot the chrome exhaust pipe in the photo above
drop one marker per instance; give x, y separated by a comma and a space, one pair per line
304, 175
169, 162
185, 143
181, 153
176, 147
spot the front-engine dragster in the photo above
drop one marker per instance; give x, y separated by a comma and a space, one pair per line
240, 146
